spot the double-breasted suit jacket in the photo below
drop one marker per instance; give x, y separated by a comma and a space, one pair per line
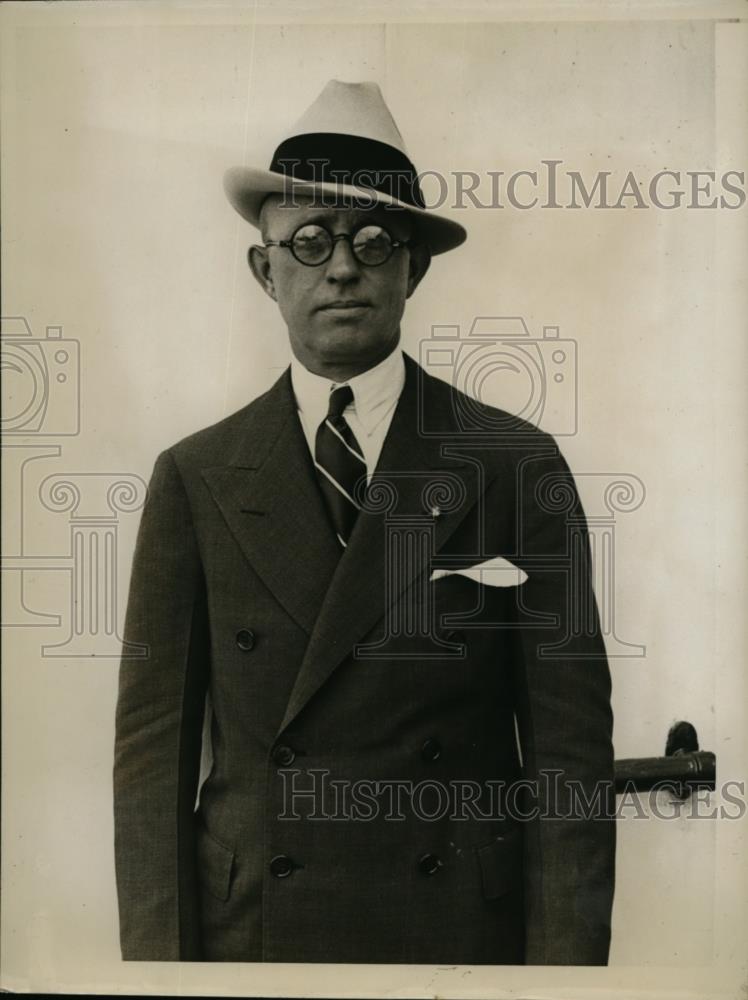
364, 718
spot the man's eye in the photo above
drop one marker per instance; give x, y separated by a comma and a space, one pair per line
372, 237
310, 239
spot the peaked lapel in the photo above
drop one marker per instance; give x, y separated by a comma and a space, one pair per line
410, 463
269, 497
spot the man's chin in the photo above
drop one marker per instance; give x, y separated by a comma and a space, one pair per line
345, 344
349, 342
345, 327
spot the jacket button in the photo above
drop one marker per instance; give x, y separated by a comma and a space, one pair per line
283, 755
281, 866
429, 864
456, 635
245, 639
431, 750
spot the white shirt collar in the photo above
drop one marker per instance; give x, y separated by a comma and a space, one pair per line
374, 391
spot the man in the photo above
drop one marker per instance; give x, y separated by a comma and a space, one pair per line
401, 750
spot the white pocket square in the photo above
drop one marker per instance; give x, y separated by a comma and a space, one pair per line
496, 572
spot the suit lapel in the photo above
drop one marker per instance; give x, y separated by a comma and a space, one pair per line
270, 500
414, 475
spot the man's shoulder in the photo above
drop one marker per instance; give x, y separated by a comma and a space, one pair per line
216, 443
443, 411
455, 412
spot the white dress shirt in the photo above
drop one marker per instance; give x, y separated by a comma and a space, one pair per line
375, 395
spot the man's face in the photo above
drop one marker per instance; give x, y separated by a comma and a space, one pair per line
342, 316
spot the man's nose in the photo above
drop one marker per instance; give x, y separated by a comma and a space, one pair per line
342, 266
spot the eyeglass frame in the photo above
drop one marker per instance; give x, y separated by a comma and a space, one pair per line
348, 237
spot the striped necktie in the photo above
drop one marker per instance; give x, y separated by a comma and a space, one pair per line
340, 464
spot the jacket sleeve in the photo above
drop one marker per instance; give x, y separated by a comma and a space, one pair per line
158, 730
565, 724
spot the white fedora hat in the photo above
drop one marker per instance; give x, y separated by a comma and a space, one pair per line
347, 145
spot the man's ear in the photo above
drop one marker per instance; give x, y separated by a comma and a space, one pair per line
259, 265
420, 258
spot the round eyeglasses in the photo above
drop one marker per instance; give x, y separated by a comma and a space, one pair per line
313, 245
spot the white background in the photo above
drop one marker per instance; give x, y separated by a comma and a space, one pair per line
118, 124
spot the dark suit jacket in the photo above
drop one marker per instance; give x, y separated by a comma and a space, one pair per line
358, 669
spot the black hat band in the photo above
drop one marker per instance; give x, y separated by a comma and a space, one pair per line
335, 158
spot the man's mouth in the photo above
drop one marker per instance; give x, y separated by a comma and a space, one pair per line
345, 305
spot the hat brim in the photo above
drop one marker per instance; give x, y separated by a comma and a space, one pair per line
247, 188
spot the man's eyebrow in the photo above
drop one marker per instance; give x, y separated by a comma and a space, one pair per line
323, 214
